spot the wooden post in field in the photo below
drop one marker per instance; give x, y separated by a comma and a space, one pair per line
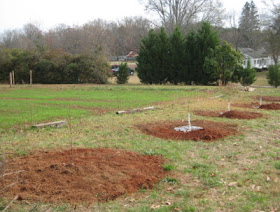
30, 73
11, 79
13, 74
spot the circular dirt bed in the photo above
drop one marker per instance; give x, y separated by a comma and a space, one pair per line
233, 114
86, 175
211, 130
269, 98
272, 106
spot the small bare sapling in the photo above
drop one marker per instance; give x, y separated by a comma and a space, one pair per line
228, 106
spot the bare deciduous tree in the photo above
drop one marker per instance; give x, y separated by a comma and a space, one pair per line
183, 13
232, 33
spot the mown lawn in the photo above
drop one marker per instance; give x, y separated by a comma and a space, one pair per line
261, 79
239, 173
25, 105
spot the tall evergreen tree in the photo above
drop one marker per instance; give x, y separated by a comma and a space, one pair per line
153, 60
191, 60
207, 40
147, 58
249, 25
177, 57
163, 57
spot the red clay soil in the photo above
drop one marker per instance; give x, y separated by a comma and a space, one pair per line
233, 114
272, 106
269, 98
86, 175
211, 130
254, 105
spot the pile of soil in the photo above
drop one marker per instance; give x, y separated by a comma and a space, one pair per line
85, 175
233, 114
211, 130
272, 106
269, 98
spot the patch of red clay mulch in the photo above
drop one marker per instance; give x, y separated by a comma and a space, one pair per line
85, 175
211, 130
269, 98
272, 106
254, 105
233, 114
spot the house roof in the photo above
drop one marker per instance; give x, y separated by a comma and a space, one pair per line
260, 53
132, 54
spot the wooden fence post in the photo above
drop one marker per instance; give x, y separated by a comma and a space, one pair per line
11, 79
30, 73
13, 74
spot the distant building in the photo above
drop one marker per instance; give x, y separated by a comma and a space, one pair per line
131, 56
259, 59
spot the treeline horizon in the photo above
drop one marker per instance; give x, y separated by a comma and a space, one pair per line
116, 38
113, 38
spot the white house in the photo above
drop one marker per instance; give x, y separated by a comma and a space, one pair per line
259, 59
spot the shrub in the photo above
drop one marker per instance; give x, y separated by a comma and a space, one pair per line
273, 75
122, 74
247, 75
53, 67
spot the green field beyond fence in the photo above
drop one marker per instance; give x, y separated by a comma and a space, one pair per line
29, 105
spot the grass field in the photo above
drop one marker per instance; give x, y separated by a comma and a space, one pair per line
261, 79
239, 173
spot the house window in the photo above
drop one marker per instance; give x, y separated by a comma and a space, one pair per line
255, 62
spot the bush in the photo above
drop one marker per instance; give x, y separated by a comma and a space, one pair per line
247, 75
273, 75
53, 67
122, 74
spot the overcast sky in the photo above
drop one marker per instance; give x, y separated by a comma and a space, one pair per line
49, 13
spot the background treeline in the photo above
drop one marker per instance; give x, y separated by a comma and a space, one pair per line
197, 58
65, 54
68, 54
110, 38
52, 67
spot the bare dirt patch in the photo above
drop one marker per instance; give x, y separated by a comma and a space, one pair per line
272, 106
85, 175
253, 105
233, 114
269, 98
211, 130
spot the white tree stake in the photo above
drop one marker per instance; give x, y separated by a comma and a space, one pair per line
189, 121
261, 101
228, 106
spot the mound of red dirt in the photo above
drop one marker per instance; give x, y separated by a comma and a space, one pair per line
211, 130
269, 98
233, 114
272, 106
85, 175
